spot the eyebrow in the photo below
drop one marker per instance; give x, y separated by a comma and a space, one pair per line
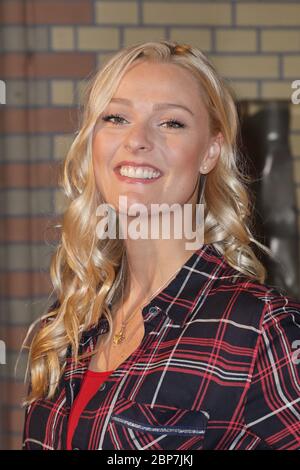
155, 106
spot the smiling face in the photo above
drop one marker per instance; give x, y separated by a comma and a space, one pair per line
136, 130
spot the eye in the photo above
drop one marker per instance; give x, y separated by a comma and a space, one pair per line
108, 117
174, 122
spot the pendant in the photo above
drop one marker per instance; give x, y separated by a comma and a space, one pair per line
119, 337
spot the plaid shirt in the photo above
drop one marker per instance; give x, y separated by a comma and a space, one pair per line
218, 368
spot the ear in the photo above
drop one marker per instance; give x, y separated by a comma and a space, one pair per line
212, 155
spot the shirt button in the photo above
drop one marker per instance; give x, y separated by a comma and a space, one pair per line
153, 309
102, 387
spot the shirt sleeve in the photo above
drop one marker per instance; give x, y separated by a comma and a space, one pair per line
272, 407
26, 408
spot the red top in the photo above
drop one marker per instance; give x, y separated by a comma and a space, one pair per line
90, 385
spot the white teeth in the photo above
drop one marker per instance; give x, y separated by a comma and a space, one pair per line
139, 172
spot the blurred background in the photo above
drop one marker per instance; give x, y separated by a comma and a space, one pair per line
48, 50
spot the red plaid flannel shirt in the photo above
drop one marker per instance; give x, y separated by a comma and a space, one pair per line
218, 368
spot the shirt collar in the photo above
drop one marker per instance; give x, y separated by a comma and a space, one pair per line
178, 298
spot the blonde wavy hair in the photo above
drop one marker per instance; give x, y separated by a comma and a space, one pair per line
86, 271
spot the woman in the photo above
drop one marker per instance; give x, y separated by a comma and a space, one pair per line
151, 345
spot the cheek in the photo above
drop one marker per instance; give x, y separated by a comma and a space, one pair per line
183, 167
101, 152
185, 161
98, 149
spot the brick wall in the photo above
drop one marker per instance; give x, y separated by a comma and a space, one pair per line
48, 49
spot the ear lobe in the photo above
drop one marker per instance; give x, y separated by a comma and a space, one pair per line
202, 168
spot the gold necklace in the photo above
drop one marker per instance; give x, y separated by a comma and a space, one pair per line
120, 336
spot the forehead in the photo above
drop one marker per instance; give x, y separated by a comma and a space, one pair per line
161, 81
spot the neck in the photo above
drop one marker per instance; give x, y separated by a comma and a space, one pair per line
151, 265
153, 261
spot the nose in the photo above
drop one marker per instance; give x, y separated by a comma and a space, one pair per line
137, 139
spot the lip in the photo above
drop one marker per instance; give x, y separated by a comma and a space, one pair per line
126, 179
129, 163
